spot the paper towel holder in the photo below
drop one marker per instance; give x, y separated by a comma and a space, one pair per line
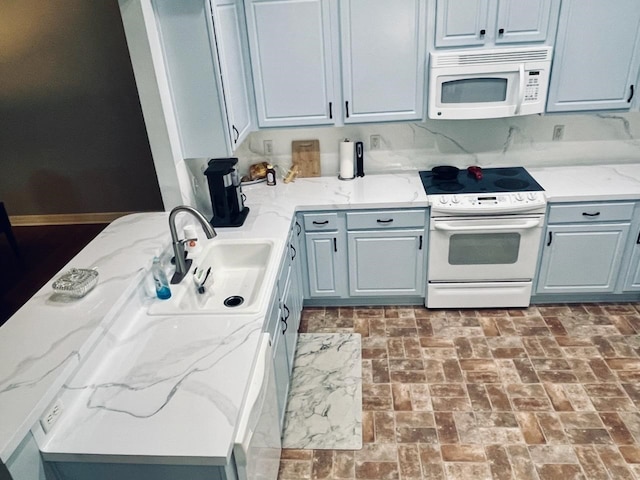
340, 153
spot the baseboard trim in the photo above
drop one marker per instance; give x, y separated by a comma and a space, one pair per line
65, 218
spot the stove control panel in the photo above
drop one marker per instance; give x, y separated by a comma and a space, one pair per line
487, 202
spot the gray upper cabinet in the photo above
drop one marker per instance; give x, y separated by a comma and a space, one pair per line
292, 61
597, 56
208, 76
383, 59
469, 23
230, 34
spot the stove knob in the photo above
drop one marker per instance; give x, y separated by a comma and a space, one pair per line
455, 199
443, 199
519, 197
532, 196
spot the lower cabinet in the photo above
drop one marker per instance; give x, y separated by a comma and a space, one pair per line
368, 253
584, 247
283, 320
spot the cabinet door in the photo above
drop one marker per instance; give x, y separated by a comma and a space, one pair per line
383, 59
597, 56
279, 352
461, 22
291, 58
326, 262
524, 20
581, 258
227, 24
632, 281
386, 263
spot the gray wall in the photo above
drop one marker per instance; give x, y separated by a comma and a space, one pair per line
72, 136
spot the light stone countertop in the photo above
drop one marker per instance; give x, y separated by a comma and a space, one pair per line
47, 340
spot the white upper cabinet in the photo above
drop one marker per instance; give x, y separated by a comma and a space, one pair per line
228, 23
597, 56
383, 47
207, 73
467, 23
292, 61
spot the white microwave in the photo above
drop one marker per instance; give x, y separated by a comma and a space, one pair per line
491, 83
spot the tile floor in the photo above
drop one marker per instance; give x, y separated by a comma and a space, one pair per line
548, 392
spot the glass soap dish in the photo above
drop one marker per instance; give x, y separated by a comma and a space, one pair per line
77, 282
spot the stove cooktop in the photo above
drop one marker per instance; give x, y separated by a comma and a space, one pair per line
494, 180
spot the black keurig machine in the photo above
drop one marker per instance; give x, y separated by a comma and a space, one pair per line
227, 199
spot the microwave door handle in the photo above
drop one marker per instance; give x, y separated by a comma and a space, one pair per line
448, 227
520, 89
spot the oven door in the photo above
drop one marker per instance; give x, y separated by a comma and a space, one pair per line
475, 249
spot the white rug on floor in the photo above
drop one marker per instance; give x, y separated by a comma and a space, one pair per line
324, 410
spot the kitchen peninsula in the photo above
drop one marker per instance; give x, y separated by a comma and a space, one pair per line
49, 340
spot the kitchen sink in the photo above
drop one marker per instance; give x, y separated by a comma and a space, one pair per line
236, 282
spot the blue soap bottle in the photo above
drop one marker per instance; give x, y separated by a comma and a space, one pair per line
160, 280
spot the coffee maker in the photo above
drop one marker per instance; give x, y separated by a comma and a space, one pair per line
226, 194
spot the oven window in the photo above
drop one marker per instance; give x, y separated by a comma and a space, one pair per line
483, 248
474, 90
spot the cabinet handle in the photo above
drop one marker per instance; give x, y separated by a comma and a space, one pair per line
286, 325
638, 239
347, 107
320, 223
293, 255
587, 214
330, 109
482, 32
389, 220
501, 31
550, 238
335, 244
286, 319
299, 227
630, 94
235, 130
420, 245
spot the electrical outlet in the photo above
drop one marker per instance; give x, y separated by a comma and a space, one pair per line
374, 142
558, 132
267, 147
51, 416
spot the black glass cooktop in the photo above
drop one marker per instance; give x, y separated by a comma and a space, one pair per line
494, 180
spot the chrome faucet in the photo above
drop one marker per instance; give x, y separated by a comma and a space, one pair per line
183, 264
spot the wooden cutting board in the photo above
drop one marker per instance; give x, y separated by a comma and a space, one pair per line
306, 156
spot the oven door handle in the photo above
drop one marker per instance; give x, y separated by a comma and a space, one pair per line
448, 227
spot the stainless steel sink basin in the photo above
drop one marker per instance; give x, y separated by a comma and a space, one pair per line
236, 284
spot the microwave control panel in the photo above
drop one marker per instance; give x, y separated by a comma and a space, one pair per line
532, 88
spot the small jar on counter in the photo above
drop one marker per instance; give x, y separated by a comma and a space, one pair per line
271, 175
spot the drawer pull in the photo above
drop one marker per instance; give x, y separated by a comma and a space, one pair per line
389, 220
587, 214
320, 223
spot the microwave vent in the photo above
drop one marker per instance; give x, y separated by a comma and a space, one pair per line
494, 57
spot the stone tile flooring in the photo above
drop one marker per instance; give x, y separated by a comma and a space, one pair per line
548, 392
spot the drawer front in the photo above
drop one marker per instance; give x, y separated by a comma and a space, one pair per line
590, 212
314, 222
386, 219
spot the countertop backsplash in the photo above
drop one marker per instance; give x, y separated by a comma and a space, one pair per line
587, 139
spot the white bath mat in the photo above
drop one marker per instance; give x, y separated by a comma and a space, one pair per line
324, 410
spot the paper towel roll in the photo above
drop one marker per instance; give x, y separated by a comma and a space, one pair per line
347, 159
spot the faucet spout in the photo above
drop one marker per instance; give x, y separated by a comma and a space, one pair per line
183, 264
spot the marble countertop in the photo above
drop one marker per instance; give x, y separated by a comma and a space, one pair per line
45, 342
